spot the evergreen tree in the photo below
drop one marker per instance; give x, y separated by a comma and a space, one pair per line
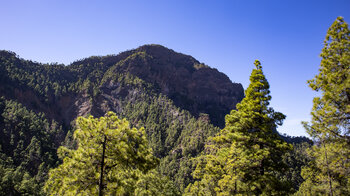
329, 170
246, 155
109, 159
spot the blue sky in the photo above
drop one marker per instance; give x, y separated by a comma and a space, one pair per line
286, 36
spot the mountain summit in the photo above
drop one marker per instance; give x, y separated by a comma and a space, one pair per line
191, 85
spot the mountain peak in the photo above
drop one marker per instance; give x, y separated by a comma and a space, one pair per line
191, 85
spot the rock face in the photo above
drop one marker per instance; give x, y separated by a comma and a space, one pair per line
191, 85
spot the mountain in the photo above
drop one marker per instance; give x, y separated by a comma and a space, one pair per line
191, 85
178, 100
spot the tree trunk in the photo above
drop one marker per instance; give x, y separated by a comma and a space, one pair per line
100, 188
328, 173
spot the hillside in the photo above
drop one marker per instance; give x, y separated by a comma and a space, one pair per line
191, 85
178, 100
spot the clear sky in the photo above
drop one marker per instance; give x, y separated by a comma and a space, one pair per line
286, 36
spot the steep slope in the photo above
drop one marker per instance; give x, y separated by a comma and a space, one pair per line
191, 85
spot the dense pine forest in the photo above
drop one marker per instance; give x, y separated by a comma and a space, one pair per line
151, 121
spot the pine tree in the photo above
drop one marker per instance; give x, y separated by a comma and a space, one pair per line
329, 170
109, 159
246, 155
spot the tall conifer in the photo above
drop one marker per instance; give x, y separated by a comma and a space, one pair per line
329, 170
246, 155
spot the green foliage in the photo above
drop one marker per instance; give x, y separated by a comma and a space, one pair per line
29, 140
107, 144
17, 182
169, 129
331, 111
27, 148
295, 160
45, 79
316, 176
246, 155
50, 81
329, 169
155, 184
27, 137
174, 135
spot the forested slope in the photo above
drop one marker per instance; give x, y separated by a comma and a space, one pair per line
172, 95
